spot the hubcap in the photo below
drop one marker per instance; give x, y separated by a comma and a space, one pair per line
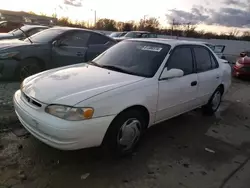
129, 134
216, 100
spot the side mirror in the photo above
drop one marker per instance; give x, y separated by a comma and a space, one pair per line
55, 43
172, 73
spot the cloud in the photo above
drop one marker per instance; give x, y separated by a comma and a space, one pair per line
236, 3
225, 16
75, 3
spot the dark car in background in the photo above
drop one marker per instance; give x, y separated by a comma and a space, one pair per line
51, 48
136, 34
6, 26
23, 32
117, 34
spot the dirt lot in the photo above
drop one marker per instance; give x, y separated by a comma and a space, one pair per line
190, 151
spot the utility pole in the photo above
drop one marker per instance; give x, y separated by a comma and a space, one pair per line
94, 17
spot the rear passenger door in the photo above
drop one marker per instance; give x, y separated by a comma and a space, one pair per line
208, 72
97, 44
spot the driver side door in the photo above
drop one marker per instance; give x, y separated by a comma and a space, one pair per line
70, 48
178, 95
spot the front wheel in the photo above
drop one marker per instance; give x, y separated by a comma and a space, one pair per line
213, 104
125, 132
28, 67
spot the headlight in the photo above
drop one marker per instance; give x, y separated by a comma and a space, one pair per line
70, 113
7, 55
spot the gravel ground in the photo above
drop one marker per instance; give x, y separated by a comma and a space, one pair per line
189, 151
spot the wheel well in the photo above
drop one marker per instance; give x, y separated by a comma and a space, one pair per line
139, 108
221, 86
40, 61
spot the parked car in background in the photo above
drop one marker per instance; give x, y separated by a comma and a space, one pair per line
218, 49
242, 65
117, 34
23, 32
6, 26
50, 48
136, 34
113, 99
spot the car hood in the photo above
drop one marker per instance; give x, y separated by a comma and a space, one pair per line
6, 36
73, 84
5, 44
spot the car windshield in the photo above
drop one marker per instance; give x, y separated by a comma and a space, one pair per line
134, 57
45, 36
130, 34
18, 32
115, 34
122, 34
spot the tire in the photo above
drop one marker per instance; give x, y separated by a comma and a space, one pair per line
28, 67
214, 102
125, 133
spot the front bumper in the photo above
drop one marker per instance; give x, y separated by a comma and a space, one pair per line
7, 69
59, 133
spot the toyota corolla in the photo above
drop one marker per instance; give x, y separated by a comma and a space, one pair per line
113, 99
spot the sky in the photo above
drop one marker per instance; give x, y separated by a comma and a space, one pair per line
215, 15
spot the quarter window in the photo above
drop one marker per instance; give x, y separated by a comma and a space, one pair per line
181, 59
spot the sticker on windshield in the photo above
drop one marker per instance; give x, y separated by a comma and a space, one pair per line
150, 48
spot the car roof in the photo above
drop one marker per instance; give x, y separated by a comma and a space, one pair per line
138, 31
172, 42
35, 26
74, 28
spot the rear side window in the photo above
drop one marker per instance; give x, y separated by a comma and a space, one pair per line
96, 39
77, 39
181, 59
203, 59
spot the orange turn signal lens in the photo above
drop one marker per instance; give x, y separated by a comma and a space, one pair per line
88, 113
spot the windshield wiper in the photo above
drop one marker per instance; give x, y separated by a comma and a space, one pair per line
26, 35
94, 63
115, 68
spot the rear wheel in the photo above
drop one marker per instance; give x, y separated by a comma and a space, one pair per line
213, 104
125, 132
28, 67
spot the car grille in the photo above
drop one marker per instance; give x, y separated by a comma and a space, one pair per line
31, 101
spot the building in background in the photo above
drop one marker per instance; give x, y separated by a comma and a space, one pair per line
24, 17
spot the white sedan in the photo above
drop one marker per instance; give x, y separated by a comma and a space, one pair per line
112, 100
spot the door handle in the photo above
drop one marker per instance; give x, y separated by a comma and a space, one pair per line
217, 77
194, 83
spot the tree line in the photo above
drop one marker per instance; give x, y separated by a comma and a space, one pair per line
152, 24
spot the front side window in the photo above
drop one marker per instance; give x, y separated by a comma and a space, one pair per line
77, 39
134, 57
203, 59
181, 59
